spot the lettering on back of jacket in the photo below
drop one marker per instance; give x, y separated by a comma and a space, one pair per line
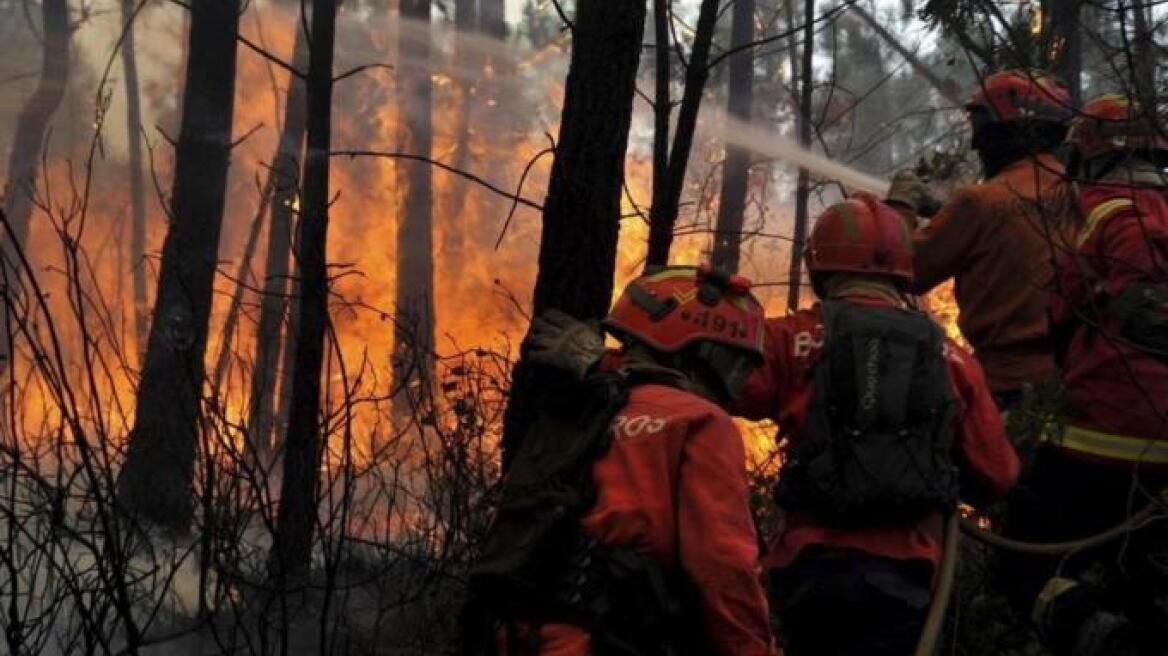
806, 342
626, 426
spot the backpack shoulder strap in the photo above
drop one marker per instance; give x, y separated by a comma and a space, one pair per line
829, 310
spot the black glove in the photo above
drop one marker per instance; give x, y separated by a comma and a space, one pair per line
558, 340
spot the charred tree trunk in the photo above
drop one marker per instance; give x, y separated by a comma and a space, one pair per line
291, 339
137, 184
663, 214
414, 331
662, 102
493, 18
466, 15
468, 65
493, 23
736, 168
1144, 51
242, 279
577, 252
803, 189
491, 105
32, 124
284, 184
296, 517
156, 479
1066, 43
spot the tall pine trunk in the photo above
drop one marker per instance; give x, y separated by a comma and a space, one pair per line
1144, 53
493, 24
736, 168
581, 214
137, 184
468, 65
156, 479
296, 517
414, 333
803, 186
32, 125
663, 214
662, 102
284, 184
492, 18
288, 359
1066, 39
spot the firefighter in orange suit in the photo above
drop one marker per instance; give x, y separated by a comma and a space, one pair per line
673, 486
992, 237
886, 423
853, 577
1111, 457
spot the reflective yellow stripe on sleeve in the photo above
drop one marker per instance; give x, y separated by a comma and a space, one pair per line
1108, 445
1100, 212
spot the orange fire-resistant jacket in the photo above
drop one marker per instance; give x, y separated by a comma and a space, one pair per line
782, 390
1118, 393
990, 238
674, 485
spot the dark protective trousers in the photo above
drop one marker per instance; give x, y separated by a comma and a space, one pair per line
1063, 498
838, 602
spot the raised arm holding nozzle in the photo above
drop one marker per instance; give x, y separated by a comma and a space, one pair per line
994, 237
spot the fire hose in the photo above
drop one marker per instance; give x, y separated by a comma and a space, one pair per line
1059, 548
940, 603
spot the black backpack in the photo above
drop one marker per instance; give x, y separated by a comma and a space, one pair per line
537, 566
1142, 311
877, 447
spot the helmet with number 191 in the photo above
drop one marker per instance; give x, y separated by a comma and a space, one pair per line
704, 313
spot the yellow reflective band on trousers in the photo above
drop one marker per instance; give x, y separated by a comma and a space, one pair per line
1053, 589
1108, 445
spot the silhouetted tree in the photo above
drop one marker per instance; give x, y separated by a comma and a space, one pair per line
414, 334
493, 18
664, 210
803, 186
156, 479
284, 187
581, 214
137, 184
468, 64
32, 125
296, 517
736, 168
1064, 42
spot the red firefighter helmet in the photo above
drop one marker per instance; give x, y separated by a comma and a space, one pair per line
1019, 95
1112, 123
676, 306
860, 235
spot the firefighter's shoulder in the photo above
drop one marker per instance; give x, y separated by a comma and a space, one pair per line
655, 408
